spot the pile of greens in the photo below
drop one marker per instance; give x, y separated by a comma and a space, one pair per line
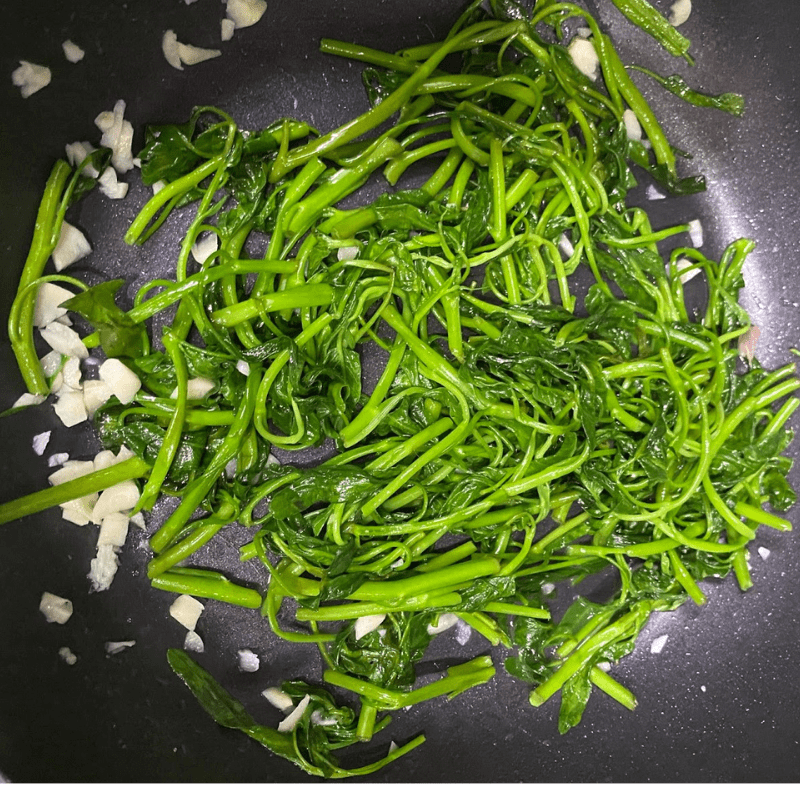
522, 429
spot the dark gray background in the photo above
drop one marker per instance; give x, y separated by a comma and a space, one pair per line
718, 704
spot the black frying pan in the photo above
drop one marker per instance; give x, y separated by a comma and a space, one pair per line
719, 703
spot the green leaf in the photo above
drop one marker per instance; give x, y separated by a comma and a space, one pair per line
120, 337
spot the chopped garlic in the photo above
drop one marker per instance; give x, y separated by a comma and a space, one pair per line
57, 459
203, 248
196, 389
70, 408
70, 471
49, 298
64, 340
76, 155
55, 608
243, 367
226, 29
79, 511
248, 661
565, 246
653, 193
443, 623
747, 344
40, 442
190, 55
288, 724
177, 54
95, 394
51, 363
684, 270
632, 125
103, 568
110, 186
658, 644
30, 78
72, 246
28, 399
124, 382
186, 610
104, 459
278, 698
193, 642
67, 655
584, 56
680, 12
122, 497
696, 233
347, 253
137, 520
245, 13
117, 135
71, 374
107, 458
113, 530
367, 624
463, 632
764, 553
72, 52
112, 648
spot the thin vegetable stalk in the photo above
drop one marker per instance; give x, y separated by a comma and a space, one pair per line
642, 14
200, 487
45, 238
98, 481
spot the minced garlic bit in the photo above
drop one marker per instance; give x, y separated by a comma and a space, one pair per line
248, 661
178, 54
30, 78
72, 52
584, 56
226, 29
680, 12
103, 568
443, 623
658, 644
193, 642
244, 13
72, 246
747, 344
117, 135
112, 648
632, 125
186, 610
367, 624
67, 655
40, 442
288, 724
28, 399
278, 698
204, 247
696, 233
55, 609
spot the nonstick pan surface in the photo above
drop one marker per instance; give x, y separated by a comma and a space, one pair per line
718, 704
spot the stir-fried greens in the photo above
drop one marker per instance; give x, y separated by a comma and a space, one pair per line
515, 430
